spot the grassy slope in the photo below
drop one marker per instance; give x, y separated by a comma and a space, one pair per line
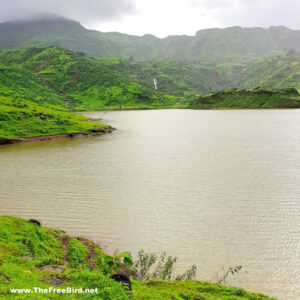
230, 44
29, 108
90, 83
79, 260
23, 119
274, 72
38, 85
257, 98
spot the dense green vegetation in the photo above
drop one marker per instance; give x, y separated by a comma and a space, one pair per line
274, 72
214, 45
33, 256
84, 83
255, 98
23, 119
39, 85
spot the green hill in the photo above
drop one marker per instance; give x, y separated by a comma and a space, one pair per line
39, 85
273, 72
86, 83
214, 45
256, 98
32, 256
213, 59
21, 119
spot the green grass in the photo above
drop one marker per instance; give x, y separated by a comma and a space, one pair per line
190, 290
23, 119
255, 98
273, 72
28, 254
39, 85
77, 252
77, 82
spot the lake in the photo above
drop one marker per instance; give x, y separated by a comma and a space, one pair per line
214, 188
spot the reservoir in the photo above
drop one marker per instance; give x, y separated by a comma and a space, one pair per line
214, 188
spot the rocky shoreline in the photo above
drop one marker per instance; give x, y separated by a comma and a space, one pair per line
94, 132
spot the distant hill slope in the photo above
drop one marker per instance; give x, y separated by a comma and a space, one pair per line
39, 85
257, 98
215, 45
29, 107
273, 72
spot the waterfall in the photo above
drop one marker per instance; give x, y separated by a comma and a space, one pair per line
155, 82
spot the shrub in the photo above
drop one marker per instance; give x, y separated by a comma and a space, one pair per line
149, 266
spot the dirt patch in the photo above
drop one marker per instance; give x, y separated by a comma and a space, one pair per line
91, 247
65, 242
75, 77
43, 65
57, 281
214, 77
27, 257
51, 268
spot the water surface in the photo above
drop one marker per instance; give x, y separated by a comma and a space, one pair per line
214, 188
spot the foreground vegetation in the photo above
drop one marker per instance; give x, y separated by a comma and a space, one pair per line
33, 256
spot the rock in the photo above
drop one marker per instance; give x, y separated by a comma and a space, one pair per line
27, 257
123, 279
34, 221
57, 281
54, 269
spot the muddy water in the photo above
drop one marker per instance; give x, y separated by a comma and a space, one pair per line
215, 188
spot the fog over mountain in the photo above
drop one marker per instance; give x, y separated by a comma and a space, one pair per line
231, 44
157, 17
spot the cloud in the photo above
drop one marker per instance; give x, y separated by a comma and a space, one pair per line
86, 11
262, 13
160, 17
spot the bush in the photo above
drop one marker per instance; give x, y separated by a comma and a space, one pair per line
77, 253
149, 266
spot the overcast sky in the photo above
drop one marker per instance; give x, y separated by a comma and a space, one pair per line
160, 17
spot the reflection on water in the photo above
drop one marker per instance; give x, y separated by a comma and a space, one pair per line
215, 188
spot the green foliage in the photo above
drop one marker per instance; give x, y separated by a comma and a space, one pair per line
142, 266
75, 260
108, 289
28, 239
21, 119
110, 264
273, 72
39, 84
256, 98
149, 266
183, 290
209, 45
81, 83
77, 253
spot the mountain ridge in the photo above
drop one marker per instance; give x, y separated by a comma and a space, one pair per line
213, 44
